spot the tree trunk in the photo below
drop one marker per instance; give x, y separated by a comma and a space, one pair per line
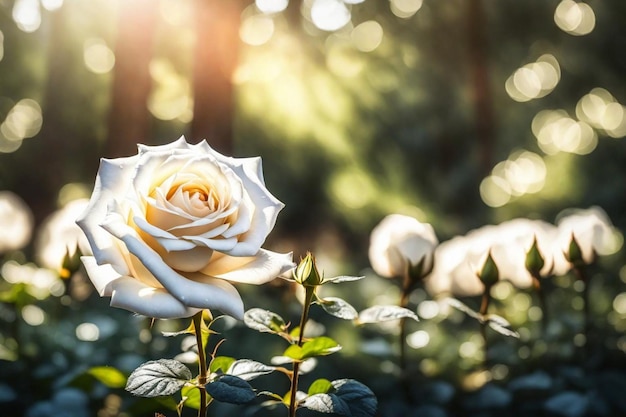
129, 119
215, 55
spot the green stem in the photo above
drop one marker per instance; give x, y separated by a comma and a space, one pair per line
202, 377
541, 294
308, 299
404, 302
484, 307
582, 275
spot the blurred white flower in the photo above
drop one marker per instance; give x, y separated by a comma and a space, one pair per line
592, 229
60, 235
400, 241
16, 222
458, 260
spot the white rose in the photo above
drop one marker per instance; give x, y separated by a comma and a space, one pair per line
172, 227
400, 241
592, 229
16, 222
458, 260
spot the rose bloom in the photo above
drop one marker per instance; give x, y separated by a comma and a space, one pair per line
458, 259
592, 229
173, 226
16, 222
400, 241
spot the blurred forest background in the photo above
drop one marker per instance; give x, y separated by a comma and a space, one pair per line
459, 112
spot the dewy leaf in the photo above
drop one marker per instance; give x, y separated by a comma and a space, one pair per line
264, 321
230, 389
319, 346
293, 352
341, 278
109, 376
247, 369
377, 314
350, 398
339, 308
158, 378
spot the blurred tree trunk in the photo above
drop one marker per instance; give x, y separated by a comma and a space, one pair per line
129, 119
479, 67
216, 55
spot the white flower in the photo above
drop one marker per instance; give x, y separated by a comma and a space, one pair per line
592, 229
400, 241
60, 236
16, 222
172, 227
457, 260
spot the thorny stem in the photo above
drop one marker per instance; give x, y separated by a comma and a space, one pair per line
202, 378
308, 299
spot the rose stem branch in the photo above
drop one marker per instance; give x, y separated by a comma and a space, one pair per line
202, 377
541, 294
308, 299
581, 274
407, 286
484, 307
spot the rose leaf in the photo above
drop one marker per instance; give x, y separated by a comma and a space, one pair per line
264, 321
247, 369
158, 378
230, 389
339, 308
379, 314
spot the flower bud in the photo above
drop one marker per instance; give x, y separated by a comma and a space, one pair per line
574, 254
534, 260
306, 272
489, 273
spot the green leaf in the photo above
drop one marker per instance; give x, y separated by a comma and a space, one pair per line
264, 321
320, 346
158, 378
320, 386
231, 389
377, 314
339, 308
247, 369
349, 398
109, 376
293, 352
341, 278
191, 396
221, 363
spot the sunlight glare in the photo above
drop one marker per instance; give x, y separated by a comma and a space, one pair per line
271, 6
33, 315
575, 18
330, 15
405, 8
98, 57
534, 80
87, 332
418, 339
16, 222
367, 36
602, 111
52, 5
256, 29
171, 96
27, 15
557, 132
23, 121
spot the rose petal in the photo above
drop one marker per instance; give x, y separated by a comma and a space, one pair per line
189, 260
100, 275
110, 181
132, 295
259, 269
190, 293
220, 245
